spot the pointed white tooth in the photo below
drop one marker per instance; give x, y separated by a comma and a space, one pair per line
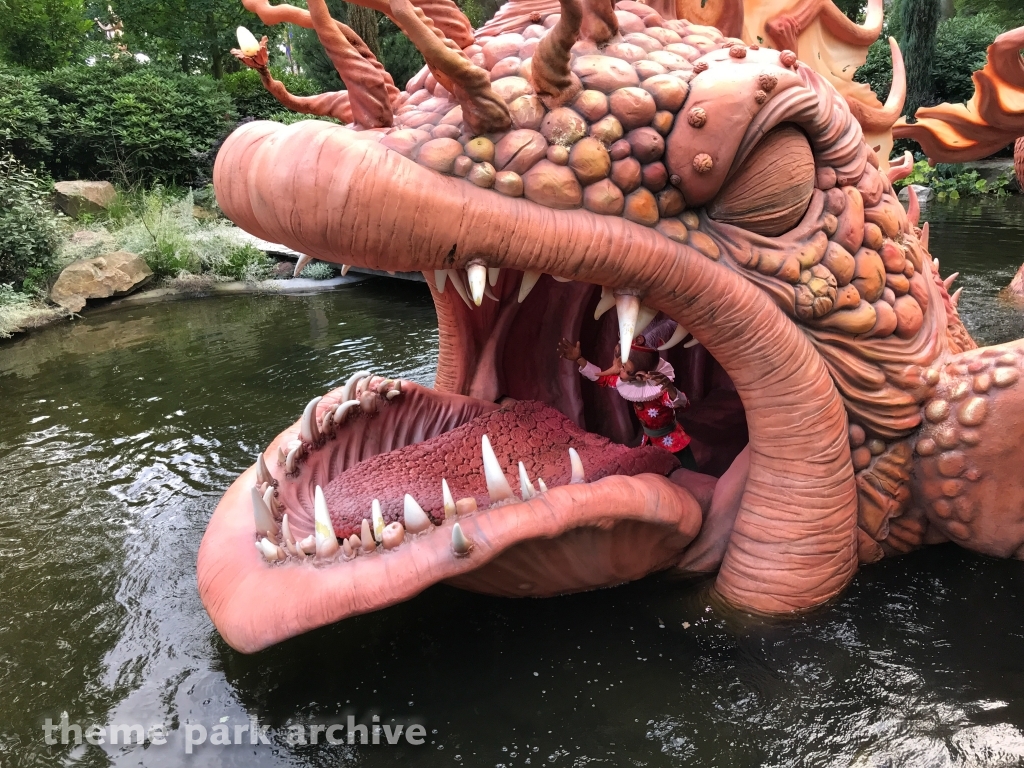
292, 461
627, 307
541, 485
366, 537
497, 484
677, 335
355, 542
308, 429
265, 523
955, 298
948, 282
558, 279
577, 467
392, 535
300, 265
282, 457
342, 413
269, 500
326, 425
460, 544
270, 551
449, 500
326, 539
262, 473
378, 521
287, 538
691, 343
440, 276
392, 394
346, 548
308, 545
416, 520
492, 275
476, 275
460, 287
607, 302
935, 262
530, 279
345, 268
526, 489
643, 319
348, 389
490, 294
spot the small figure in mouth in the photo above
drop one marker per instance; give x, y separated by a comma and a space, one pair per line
646, 381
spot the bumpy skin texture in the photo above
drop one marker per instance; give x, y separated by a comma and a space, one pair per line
657, 171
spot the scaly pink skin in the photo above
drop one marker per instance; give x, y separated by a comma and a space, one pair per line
830, 333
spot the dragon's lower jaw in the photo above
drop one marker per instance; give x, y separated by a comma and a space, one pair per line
622, 522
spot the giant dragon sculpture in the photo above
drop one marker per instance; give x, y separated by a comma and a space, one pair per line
583, 170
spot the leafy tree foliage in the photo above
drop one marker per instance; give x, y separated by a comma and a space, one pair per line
196, 35
42, 34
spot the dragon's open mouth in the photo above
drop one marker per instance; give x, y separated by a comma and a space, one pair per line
762, 159
411, 500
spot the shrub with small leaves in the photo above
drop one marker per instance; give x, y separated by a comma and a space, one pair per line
29, 231
318, 270
245, 262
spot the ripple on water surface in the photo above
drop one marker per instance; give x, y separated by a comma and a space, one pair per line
119, 433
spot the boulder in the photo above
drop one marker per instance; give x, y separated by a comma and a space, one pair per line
112, 274
924, 194
78, 197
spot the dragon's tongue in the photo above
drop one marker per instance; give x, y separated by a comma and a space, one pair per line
521, 431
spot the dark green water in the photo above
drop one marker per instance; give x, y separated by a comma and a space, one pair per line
119, 433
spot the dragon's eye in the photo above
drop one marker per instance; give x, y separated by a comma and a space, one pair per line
770, 192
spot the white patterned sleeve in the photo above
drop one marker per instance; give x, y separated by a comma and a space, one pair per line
590, 371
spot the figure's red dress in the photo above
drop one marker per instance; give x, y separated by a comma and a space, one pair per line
654, 408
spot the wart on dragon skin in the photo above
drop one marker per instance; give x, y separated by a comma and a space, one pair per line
563, 163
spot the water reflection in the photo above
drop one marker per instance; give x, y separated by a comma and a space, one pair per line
983, 240
119, 433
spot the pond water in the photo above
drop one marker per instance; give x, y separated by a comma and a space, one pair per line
118, 433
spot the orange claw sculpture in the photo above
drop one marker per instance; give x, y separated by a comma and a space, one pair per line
593, 172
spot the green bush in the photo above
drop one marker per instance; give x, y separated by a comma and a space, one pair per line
952, 181
245, 262
959, 51
251, 98
318, 270
24, 118
161, 227
29, 231
133, 123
